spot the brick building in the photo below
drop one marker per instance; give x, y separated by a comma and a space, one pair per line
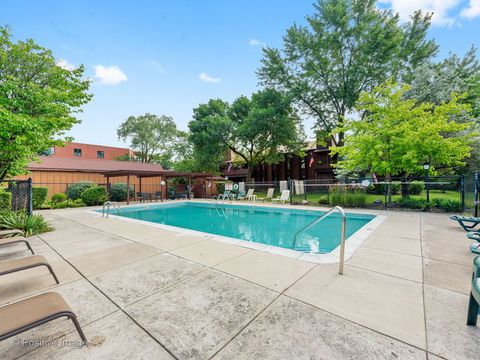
90, 151
316, 164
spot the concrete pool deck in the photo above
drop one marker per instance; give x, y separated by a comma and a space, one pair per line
142, 292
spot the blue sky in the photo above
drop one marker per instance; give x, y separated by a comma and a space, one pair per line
166, 57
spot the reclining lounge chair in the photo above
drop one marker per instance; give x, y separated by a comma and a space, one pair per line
10, 233
29, 262
464, 220
15, 240
473, 303
29, 313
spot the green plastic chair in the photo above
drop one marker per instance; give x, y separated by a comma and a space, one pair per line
463, 220
474, 301
474, 235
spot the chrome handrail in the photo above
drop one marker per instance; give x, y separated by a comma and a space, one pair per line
344, 227
114, 204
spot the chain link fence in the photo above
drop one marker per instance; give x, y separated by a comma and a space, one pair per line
18, 195
447, 193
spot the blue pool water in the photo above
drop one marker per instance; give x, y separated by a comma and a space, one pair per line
265, 225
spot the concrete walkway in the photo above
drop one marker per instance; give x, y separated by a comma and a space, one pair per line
145, 293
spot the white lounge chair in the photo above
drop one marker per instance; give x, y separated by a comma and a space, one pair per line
269, 195
284, 197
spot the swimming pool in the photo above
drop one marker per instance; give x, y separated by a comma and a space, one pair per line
259, 224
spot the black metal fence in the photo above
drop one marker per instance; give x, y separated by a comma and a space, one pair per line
21, 194
449, 193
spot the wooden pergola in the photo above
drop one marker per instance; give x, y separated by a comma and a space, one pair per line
163, 174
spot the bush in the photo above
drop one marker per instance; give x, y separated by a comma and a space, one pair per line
58, 198
5, 200
448, 205
415, 188
118, 191
348, 199
95, 195
323, 200
74, 191
29, 224
68, 203
39, 196
414, 203
380, 189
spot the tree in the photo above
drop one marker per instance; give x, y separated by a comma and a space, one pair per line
256, 130
38, 100
151, 136
399, 135
349, 47
436, 82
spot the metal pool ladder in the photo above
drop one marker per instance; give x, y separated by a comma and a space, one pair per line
344, 227
112, 204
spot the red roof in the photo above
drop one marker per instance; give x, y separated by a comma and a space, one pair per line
48, 163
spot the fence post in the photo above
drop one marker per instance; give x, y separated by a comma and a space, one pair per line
462, 194
291, 190
30, 200
476, 196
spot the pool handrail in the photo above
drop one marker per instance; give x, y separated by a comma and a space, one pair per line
113, 204
344, 227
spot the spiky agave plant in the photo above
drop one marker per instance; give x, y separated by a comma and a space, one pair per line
29, 224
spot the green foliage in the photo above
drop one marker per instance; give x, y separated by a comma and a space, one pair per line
151, 136
255, 130
415, 188
412, 203
398, 135
347, 198
347, 48
380, 189
5, 200
448, 205
68, 203
118, 191
29, 224
95, 195
220, 188
39, 196
37, 101
58, 198
74, 191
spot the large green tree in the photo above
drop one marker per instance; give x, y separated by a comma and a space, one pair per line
151, 136
398, 135
348, 47
38, 101
257, 130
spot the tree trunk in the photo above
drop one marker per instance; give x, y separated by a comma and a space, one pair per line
249, 174
405, 186
388, 180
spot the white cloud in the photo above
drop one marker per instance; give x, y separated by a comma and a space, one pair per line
110, 75
472, 11
64, 64
158, 66
208, 79
255, 43
441, 9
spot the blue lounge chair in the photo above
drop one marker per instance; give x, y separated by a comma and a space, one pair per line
474, 235
464, 220
474, 301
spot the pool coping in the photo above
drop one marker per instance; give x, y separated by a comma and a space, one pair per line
352, 243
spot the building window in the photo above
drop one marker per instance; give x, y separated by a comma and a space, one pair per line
77, 152
100, 154
50, 151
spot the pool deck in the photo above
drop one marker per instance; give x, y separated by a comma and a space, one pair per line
141, 292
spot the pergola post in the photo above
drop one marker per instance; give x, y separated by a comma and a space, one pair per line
128, 189
189, 187
140, 185
166, 188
